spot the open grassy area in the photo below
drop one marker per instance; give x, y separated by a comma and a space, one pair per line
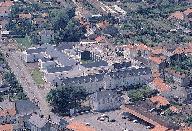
24, 42
37, 76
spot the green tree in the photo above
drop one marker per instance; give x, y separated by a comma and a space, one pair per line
65, 98
60, 17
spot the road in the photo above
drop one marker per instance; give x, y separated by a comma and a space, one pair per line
119, 125
35, 94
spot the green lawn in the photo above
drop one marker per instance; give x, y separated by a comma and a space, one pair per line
37, 76
24, 42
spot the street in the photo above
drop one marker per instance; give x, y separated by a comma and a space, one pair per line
35, 94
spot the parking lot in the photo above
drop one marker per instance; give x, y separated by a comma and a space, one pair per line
113, 122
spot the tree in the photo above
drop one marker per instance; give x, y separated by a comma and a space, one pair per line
73, 32
60, 17
65, 98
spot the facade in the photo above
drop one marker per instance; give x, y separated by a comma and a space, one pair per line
112, 80
105, 100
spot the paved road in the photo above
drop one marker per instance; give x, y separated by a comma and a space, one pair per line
21, 72
119, 125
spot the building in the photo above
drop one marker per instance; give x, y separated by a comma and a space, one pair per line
118, 79
105, 100
7, 112
32, 55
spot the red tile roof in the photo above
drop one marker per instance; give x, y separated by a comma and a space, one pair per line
160, 85
160, 100
7, 3
188, 11
177, 15
6, 127
76, 126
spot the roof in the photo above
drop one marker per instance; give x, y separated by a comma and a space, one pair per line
142, 46
159, 128
100, 38
28, 16
59, 69
6, 3
7, 108
38, 121
95, 64
25, 107
6, 127
66, 45
157, 59
177, 15
103, 94
160, 85
35, 50
77, 126
187, 11
174, 109
160, 100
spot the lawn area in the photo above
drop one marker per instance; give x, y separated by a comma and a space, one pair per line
24, 42
37, 76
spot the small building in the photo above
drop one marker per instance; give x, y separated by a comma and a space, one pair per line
160, 101
105, 100
32, 55
7, 112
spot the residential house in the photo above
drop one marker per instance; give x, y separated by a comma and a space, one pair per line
7, 112
112, 80
24, 109
25, 16
158, 62
160, 101
105, 100
5, 8
32, 55
6, 127
46, 36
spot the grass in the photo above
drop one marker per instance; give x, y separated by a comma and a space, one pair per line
37, 76
24, 43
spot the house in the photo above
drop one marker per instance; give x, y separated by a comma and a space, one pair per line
5, 8
25, 16
7, 112
32, 55
123, 78
38, 123
160, 85
159, 101
46, 36
158, 62
25, 107
105, 100
6, 127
